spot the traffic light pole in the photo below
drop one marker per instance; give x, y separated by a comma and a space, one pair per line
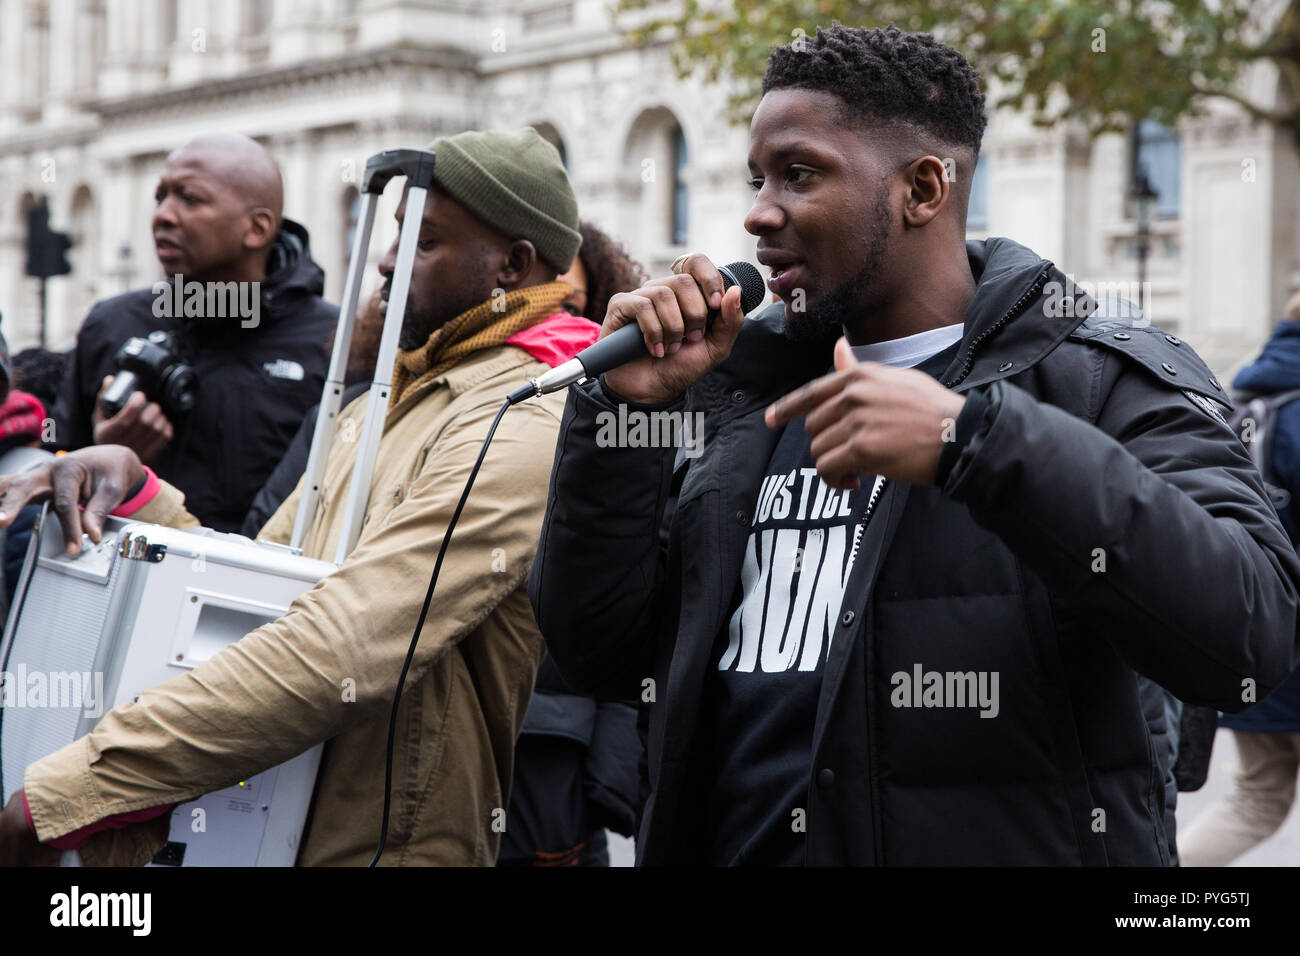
47, 252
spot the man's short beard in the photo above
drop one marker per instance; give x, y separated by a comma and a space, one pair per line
825, 321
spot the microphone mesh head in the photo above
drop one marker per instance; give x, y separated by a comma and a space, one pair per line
750, 281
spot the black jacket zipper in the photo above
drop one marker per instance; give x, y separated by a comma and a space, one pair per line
1020, 305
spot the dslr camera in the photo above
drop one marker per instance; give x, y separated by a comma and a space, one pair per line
152, 365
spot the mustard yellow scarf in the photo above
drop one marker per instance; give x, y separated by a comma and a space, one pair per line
487, 325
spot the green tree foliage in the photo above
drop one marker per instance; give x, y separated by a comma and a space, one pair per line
1101, 62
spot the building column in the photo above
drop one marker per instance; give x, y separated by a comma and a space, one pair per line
63, 58
12, 24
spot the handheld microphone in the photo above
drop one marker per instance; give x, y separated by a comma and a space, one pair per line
627, 343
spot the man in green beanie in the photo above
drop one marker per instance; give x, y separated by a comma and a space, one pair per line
483, 315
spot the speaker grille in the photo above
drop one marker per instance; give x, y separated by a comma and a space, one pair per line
57, 636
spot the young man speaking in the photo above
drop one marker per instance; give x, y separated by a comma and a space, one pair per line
939, 523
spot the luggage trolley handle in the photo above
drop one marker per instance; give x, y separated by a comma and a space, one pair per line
417, 166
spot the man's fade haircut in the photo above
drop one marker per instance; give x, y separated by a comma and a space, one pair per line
887, 77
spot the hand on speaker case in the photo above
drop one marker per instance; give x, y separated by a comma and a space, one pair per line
97, 477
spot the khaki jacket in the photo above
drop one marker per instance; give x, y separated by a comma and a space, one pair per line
288, 685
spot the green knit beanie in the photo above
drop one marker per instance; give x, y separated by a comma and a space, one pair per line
514, 181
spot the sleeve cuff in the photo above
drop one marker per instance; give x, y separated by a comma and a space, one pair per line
144, 492
75, 839
613, 398
970, 421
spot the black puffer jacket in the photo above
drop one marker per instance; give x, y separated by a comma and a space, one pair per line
1090, 435
255, 384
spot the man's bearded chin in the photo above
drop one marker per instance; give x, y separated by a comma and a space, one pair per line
822, 324
416, 328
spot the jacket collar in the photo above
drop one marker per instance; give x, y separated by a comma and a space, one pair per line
471, 371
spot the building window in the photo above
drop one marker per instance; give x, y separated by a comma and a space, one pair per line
1158, 153
977, 211
653, 174
681, 208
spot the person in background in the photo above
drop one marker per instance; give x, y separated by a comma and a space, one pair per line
577, 759
22, 423
40, 372
602, 268
217, 221
1267, 735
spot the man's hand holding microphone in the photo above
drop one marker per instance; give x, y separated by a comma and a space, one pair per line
681, 346
864, 419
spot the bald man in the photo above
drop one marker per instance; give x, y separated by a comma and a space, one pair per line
257, 333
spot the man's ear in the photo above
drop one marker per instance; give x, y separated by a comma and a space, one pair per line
519, 261
929, 182
262, 228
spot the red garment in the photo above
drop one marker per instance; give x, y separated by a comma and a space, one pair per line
21, 414
557, 339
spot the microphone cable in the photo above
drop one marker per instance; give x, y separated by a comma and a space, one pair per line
419, 626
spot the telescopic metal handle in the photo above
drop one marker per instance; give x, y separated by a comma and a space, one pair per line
417, 166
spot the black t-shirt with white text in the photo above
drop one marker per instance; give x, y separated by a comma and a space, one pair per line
765, 678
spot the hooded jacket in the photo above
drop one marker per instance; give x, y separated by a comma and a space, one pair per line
1094, 518
255, 383
1277, 369
326, 671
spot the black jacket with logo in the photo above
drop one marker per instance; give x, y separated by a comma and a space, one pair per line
254, 384
1095, 517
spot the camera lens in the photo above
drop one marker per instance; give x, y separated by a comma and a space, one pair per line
179, 388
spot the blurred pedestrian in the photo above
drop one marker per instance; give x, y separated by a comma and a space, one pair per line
22, 422
1267, 735
40, 372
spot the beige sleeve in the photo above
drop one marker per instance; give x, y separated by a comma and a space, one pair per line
279, 690
166, 508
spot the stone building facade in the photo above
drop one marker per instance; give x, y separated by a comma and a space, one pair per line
102, 90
